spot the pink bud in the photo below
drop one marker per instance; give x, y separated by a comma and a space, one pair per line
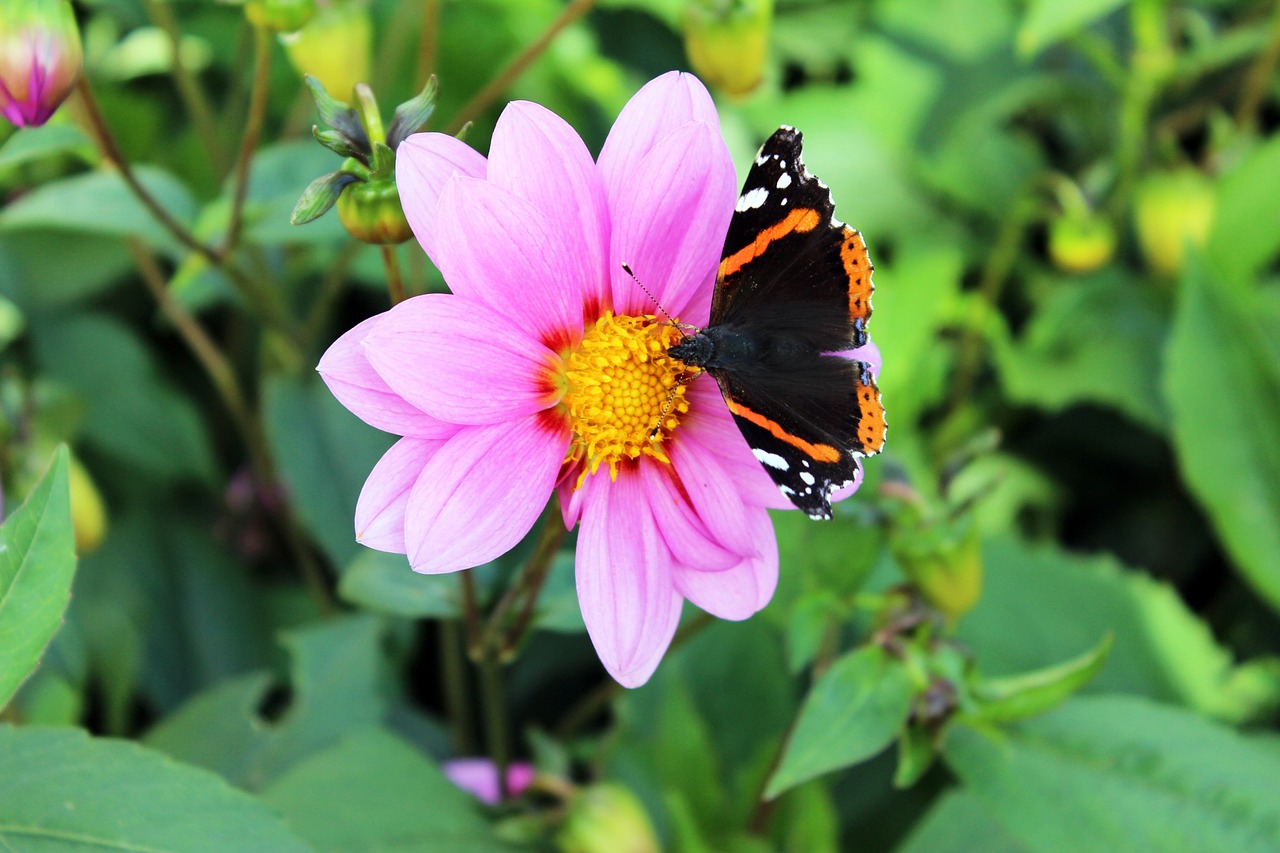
40, 58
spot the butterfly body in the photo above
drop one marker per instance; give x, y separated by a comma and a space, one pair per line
792, 299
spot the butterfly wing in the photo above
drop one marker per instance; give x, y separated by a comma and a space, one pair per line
796, 283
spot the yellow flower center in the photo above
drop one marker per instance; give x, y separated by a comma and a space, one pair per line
623, 393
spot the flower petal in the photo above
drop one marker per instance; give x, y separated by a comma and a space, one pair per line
381, 507
624, 579
714, 495
746, 588
537, 156
710, 426
346, 370
684, 532
499, 249
662, 105
461, 361
670, 226
424, 164
481, 493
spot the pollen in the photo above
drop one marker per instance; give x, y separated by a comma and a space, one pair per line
624, 395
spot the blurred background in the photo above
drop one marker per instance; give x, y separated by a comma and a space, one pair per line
1074, 213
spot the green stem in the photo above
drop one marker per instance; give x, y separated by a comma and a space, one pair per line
1259, 76
222, 375
395, 281
517, 66
453, 660
262, 298
495, 717
189, 89
428, 41
526, 587
252, 132
470, 614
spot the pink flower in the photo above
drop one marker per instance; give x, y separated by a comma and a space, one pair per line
545, 369
40, 58
479, 776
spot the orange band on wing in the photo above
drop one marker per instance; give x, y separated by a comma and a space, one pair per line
801, 219
857, 266
817, 452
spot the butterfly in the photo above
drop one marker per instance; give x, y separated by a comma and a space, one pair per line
792, 298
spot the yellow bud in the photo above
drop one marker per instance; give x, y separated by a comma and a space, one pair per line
281, 16
88, 512
943, 560
1170, 210
333, 47
606, 818
1081, 243
372, 213
727, 42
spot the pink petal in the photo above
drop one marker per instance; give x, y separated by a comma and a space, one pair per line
710, 426
380, 509
681, 528
570, 495
479, 776
660, 107
424, 164
670, 226
742, 590
624, 579
346, 370
714, 495
481, 493
840, 494
461, 361
537, 156
497, 248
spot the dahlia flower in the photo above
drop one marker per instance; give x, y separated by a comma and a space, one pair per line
545, 369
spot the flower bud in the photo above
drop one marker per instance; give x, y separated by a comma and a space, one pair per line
334, 46
943, 559
1170, 210
40, 58
1081, 243
281, 16
727, 41
88, 512
606, 818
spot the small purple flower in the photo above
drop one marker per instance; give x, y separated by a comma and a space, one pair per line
546, 369
479, 776
40, 58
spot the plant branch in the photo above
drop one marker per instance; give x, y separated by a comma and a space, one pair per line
395, 280
252, 132
1260, 75
517, 66
189, 88
494, 709
428, 41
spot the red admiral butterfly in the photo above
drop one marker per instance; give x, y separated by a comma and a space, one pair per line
793, 291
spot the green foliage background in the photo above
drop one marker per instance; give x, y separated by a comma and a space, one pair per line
1074, 211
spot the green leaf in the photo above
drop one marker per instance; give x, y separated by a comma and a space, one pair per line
1229, 454
62, 790
916, 754
325, 454
854, 711
958, 823
37, 561
40, 274
320, 195
335, 677
130, 411
334, 141
1117, 363
338, 115
1040, 606
374, 792
1050, 21
412, 114
384, 583
101, 202
1120, 773
278, 177
1246, 232
384, 163
1006, 700
36, 143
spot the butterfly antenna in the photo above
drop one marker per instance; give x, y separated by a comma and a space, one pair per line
666, 409
626, 267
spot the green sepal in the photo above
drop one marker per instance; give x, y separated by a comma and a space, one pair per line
384, 162
339, 144
1017, 697
338, 115
412, 114
916, 754
320, 195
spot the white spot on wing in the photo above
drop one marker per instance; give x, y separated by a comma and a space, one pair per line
807, 477
751, 199
784, 181
773, 460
